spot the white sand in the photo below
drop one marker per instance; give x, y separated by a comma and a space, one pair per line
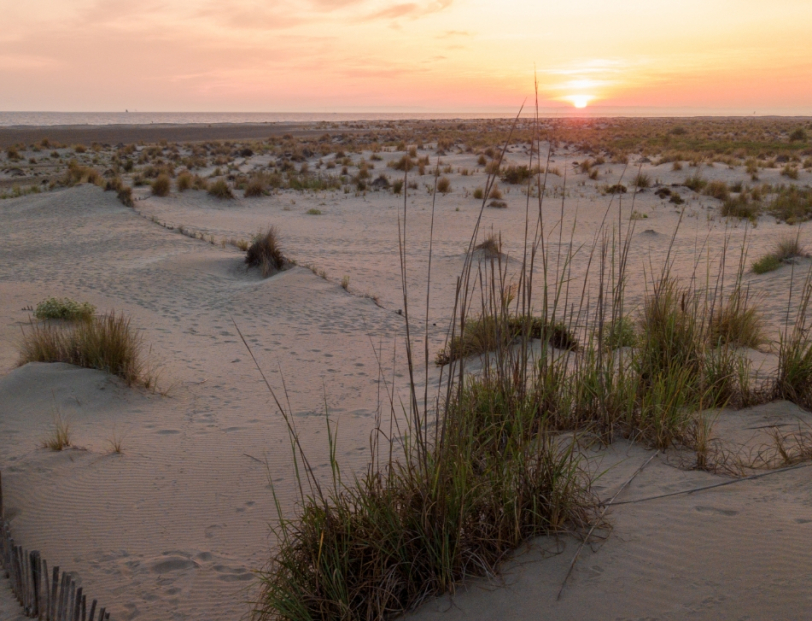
173, 527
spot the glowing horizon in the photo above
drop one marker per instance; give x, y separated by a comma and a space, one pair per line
438, 55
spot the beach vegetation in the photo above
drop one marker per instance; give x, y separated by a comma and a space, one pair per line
265, 252
64, 308
220, 189
161, 185
107, 343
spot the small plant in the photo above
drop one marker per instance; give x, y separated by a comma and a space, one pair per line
717, 189
116, 442
785, 250
397, 186
443, 185
107, 343
313, 212
496, 193
184, 181
734, 323
219, 189
642, 181
695, 183
64, 308
60, 438
790, 172
266, 253
799, 135
491, 246
345, 282
620, 333
616, 189
160, 187
478, 193
767, 263
740, 207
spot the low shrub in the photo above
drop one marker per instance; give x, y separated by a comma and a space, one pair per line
740, 207
443, 185
184, 181
220, 189
161, 185
64, 308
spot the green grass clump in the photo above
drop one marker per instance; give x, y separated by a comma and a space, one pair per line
64, 308
717, 189
516, 174
741, 207
620, 333
786, 249
695, 183
107, 343
767, 263
313, 212
488, 334
219, 189
265, 252
792, 205
736, 323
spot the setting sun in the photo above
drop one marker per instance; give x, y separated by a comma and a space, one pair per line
580, 101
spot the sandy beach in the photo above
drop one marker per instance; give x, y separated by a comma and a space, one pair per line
176, 525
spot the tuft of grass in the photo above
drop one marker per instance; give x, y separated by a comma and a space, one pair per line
60, 437
786, 249
443, 185
489, 334
116, 443
717, 189
265, 252
478, 193
219, 189
345, 283
792, 205
397, 186
184, 181
620, 333
64, 308
767, 263
794, 378
642, 181
108, 343
491, 246
695, 182
736, 323
741, 207
161, 185
313, 212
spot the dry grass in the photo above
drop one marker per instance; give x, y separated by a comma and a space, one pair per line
785, 250
60, 437
108, 343
161, 185
220, 189
265, 252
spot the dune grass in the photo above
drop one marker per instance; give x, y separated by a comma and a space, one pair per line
161, 185
64, 308
220, 189
463, 478
265, 252
785, 249
108, 343
60, 437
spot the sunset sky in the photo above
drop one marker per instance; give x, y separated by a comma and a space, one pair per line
415, 55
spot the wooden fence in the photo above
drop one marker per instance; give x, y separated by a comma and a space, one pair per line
47, 596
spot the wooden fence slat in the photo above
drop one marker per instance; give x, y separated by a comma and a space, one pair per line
47, 597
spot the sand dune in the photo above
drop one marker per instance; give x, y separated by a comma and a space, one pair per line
174, 527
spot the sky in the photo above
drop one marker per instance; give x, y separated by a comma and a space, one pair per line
742, 56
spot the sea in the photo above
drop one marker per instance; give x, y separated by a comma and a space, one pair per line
23, 119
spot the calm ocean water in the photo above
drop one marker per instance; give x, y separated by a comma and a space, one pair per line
9, 119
